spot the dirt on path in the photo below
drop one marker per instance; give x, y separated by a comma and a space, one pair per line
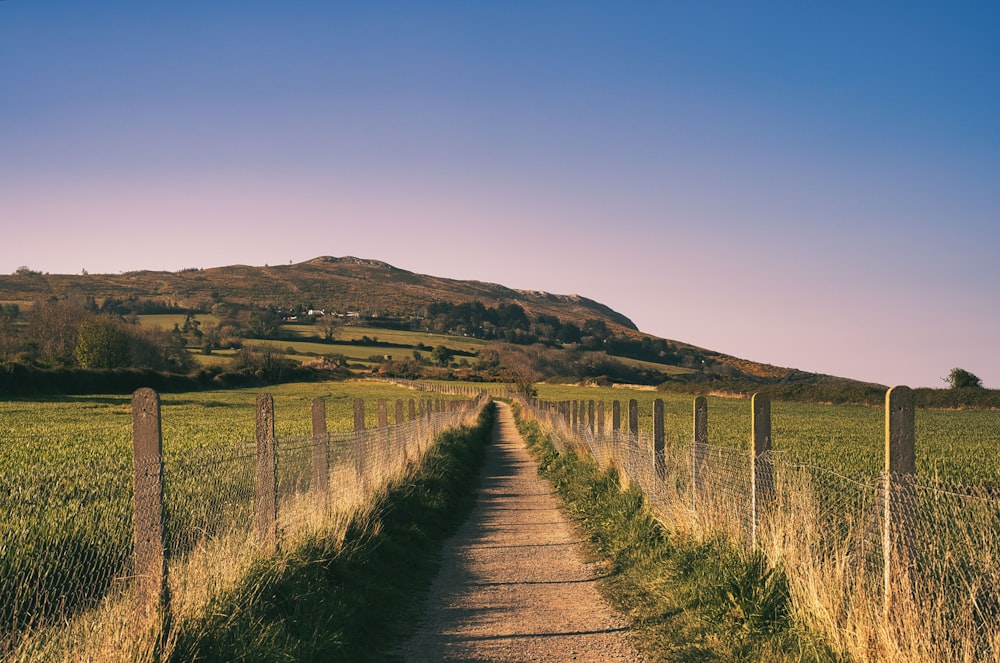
513, 585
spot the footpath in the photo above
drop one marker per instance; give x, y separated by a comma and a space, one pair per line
513, 585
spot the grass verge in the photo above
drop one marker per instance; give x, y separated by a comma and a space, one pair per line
688, 600
351, 596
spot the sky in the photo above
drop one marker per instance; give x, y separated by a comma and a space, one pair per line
811, 185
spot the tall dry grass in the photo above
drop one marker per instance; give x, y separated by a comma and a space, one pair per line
216, 565
824, 532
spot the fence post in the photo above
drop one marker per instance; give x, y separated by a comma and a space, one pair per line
659, 440
412, 409
600, 419
383, 413
633, 423
590, 416
700, 447
575, 423
900, 467
320, 462
149, 556
359, 440
761, 476
616, 419
267, 480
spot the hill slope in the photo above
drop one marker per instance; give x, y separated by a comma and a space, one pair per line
378, 291
338, 284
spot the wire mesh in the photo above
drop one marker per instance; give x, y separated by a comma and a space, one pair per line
941, 542
66, 531
66, 535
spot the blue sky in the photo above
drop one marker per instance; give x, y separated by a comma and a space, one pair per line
807, 186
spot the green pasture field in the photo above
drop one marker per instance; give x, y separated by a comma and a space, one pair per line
168, 320
956, 445
666, 369
66, 480
350, 333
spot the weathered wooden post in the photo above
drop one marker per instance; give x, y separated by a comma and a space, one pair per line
360, 441
590, 417
616, 420
267, 479
149, 554
900, 466
600, 419
633, 424
320, 460
383, 413
699, 449
400, 434
412, 409
659, 441
575, 423
761, 475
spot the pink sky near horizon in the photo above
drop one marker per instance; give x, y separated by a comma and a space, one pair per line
810, 188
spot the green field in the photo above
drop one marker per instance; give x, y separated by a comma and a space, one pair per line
306, 342
66, 480
957, 445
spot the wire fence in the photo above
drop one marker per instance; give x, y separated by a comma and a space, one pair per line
142, 535
898, 567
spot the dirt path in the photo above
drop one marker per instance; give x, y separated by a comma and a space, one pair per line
512, 584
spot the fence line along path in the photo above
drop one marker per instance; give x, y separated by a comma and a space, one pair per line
513, 585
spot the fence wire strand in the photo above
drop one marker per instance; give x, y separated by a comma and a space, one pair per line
942, 535
66, 536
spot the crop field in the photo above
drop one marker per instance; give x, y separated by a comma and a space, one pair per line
956, 445
66, 481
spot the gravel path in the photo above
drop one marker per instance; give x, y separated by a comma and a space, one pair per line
512, 584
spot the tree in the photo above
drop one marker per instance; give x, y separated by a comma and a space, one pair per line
102, 343
959, 378
264, 322
51, 330
442, 355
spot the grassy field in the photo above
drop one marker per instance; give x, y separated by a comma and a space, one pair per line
958, 445
66, 481
305, 341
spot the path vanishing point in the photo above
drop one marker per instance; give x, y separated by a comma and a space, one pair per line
513, 585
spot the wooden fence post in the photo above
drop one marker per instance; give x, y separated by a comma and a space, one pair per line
659, 440
400, 434
900, 466
412, 409
700, 447
590, 417
633, 423
761, 475
383, 413
320, 460
360, 443
600, 419
267, 480
149, 555
575, 423
616, 418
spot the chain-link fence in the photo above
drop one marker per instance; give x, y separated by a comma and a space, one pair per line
65, 534
898, 567
98, 531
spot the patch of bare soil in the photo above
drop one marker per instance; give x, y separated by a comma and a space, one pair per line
513, 585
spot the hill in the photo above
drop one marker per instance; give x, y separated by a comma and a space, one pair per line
556, 335
368, 287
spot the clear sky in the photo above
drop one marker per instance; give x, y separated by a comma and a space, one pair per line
814, 185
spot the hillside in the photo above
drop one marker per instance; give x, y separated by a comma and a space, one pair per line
369, 287
572, 335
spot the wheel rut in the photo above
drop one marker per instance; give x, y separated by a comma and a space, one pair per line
513, 585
